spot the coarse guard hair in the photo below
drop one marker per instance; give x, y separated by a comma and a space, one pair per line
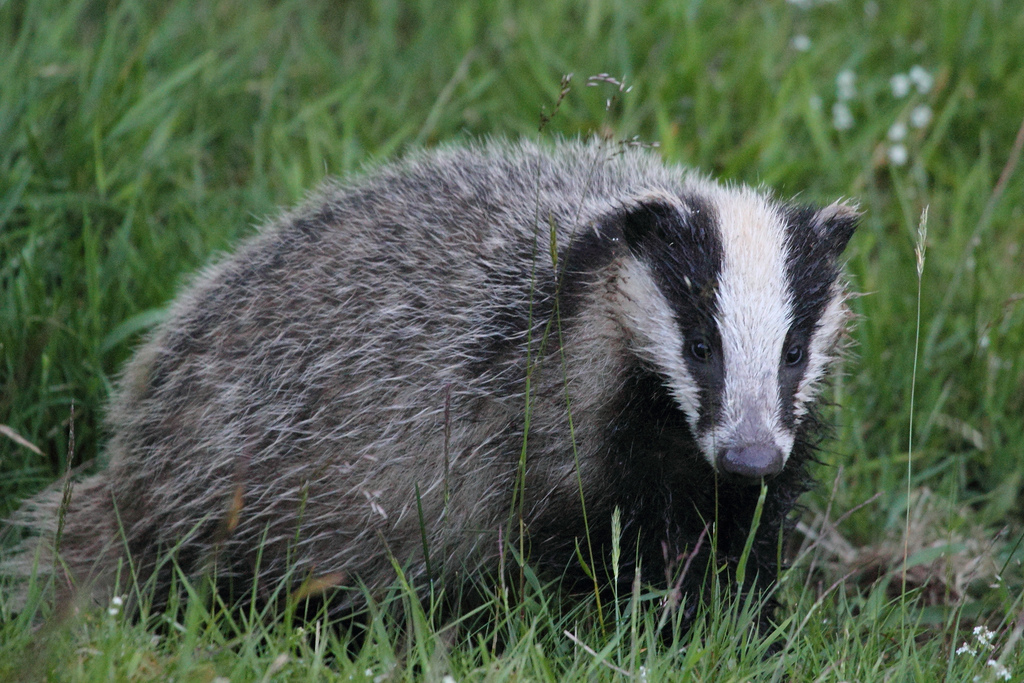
482, 338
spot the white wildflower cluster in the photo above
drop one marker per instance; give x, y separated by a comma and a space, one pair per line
898, 154
917, 80
901, 85
983, 643
921, 78
984, 636
846, 90
380, 678
998, 671
966, 649
116, 603
846, 85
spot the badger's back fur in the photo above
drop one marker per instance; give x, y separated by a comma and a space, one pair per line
408, 362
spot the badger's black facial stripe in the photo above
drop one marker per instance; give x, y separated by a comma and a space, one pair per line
813, 245
581, 262
811, 268
790, 374
684, 249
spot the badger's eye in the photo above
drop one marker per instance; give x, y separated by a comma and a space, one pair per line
794, 354
700, 349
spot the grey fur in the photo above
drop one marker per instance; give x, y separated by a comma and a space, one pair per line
365, 356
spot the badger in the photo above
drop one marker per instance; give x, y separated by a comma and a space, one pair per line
476, 347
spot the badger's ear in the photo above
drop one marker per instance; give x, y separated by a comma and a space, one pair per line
834, 225
648, 217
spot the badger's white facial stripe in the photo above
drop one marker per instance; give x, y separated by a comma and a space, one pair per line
754, 316
656, 333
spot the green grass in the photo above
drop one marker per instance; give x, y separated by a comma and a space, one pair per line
139, 138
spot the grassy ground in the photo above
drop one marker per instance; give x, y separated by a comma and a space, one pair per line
138, 138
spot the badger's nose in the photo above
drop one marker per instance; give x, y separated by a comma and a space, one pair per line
751, 462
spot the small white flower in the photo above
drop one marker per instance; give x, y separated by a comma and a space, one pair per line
921, 116
846, 87
801, 43
112, 611
898, 155
900, 85
117, 601
921, 78
966, 649
897, 131
814, 102
448, 679
998, 670
842, 117
643, 674
984, 636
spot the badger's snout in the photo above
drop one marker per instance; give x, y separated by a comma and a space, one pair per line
751, 463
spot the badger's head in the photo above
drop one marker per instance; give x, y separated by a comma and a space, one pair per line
737, 303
